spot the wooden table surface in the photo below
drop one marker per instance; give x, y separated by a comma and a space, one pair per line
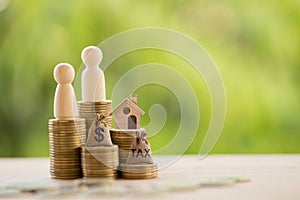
271, 176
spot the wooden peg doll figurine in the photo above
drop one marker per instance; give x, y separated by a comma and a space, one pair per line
92, 79
64, 99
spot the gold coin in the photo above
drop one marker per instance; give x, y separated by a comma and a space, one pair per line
65, 132
122, 144
64, 147
65, 160
94, 172
65, 157
65, 177
107, 161
64, 167
100, 176
55, 144
62, 163
73, 136
57, 153
56, 122
100, 154
125, 176
122, 135
104, 108
62, 160
64, 151
63, 141
66, 140
124, 155
94, 111
123, 149
124, 139
129, 131
69, 125
152, 173
98, 170
99, 167
96, 102
60, 141
80, 105
102, 148
103, 168
139, 171
57, 156
139, 168
111, 163
95, 160
62, 125
139, 165
107, 175
78, 175
67, 129
66, 171
139, 174
104, 161
69, 150
113, 176
64, 137
69, 165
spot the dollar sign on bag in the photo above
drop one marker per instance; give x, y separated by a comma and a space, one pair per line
99, 136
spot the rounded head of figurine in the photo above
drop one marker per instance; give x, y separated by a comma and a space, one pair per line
64, 73
91, 56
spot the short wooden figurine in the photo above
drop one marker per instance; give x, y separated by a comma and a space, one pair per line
64, 99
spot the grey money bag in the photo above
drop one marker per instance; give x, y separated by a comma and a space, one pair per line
140, 151
99, 133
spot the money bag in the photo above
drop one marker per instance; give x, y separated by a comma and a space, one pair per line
99, 133
140, 151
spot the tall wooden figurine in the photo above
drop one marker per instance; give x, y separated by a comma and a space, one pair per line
92, 79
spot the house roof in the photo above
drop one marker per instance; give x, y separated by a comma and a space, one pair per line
132, 105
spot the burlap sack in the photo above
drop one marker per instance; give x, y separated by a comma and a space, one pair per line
140, 151
99, 133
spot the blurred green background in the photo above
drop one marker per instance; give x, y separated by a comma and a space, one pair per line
255, 44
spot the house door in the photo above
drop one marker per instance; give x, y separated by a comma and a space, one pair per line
132, 122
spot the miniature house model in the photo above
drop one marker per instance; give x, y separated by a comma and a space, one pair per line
127, 114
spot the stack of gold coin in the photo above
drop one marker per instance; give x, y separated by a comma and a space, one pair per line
89, 111
100, 161
65, 162
139, 171
123, 138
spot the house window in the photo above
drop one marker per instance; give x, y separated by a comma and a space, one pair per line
126, 110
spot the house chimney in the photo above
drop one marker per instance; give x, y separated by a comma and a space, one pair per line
133, 98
